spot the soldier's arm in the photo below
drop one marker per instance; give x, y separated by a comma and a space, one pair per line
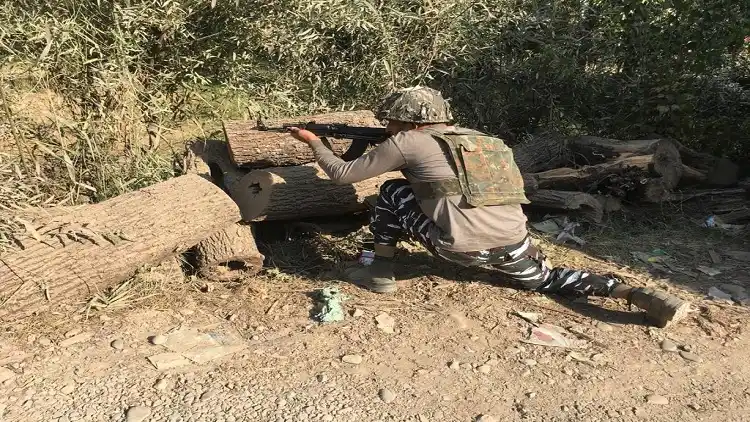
382, 159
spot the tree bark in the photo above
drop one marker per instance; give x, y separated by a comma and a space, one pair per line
223, 172
581, 203
229, 254
254, 149
290, 193
97, 246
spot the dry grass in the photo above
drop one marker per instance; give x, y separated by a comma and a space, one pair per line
160, 283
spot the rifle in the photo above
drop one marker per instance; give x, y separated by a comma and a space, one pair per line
361, 136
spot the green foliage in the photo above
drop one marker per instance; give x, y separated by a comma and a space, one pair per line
620, 69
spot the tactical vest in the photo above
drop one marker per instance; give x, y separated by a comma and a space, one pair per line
487, 173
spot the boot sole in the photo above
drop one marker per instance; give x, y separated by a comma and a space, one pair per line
384, 289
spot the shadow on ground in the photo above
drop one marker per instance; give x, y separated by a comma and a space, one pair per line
318, 249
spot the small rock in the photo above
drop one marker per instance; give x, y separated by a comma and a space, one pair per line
327, 418
565, 408
117, 344
486, 418
160, 384
529, 362
690, 356
687, 348
232, 318
492, 362
718, 294
208, 394
668, 345
466, 366
695, 406
137, 414
357, 313
158, 339
6, 374
531, 395
657, 399
44, 341
454, 365
386, 395
639, 412
73, 332
485, 369
604, 326
460, 320
69, 388
75, 339
322, 378
568, 371
385, 322
525, 373
352, 359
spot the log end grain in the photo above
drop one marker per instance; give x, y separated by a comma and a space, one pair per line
229, 254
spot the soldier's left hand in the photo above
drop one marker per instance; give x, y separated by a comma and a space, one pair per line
303, 135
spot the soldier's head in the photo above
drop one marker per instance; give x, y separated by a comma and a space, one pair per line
414, 107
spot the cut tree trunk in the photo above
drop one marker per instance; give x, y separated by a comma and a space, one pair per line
290, 193
582, 204
223, 172
255, 149
77, 255
229, 254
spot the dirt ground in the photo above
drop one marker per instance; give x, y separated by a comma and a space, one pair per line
455, 353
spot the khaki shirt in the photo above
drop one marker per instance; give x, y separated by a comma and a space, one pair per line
421, 158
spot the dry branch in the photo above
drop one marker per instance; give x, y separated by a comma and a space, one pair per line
82, 253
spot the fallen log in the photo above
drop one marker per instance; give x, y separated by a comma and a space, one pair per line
649, 177
228, 254
74, 256
289, 193
582, 204
253, 149
589, 150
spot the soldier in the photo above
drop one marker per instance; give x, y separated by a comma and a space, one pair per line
461, 198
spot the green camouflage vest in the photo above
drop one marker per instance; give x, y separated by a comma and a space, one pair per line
487, 173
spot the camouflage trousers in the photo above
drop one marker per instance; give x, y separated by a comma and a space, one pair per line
397, 216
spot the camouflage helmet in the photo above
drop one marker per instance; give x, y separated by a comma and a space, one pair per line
416, 104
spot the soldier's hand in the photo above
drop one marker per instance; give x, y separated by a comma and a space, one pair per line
303, 135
